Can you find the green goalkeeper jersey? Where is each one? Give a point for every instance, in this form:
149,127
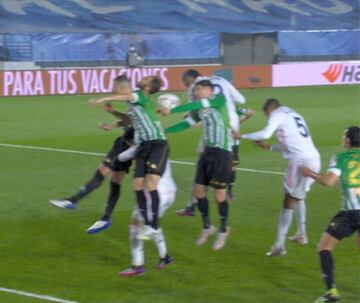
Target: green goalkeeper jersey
144,119
346,166
215,119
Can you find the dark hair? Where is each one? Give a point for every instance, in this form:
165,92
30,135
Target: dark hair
128,134
121,79
353,133
155,85
271,102
205,83
190,73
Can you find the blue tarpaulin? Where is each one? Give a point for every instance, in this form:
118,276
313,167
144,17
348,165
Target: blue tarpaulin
103,46
233,16
319,43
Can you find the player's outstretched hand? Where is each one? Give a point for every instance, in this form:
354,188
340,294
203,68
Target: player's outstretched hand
104,126
263,144
236,135
108,108
163,111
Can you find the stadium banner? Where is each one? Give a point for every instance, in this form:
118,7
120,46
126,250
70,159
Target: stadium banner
316,73
94,81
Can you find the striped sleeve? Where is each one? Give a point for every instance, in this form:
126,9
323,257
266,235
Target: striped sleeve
334,166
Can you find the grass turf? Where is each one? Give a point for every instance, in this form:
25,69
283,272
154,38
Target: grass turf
46,250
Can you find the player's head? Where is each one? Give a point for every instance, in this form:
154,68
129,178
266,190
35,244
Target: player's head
189,77
150,85
351,137
203,89
128,134
270,105
121,84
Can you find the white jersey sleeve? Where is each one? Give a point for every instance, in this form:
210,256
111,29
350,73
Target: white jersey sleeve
273,124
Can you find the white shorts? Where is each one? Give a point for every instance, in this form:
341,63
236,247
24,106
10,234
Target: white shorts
166,200
294,183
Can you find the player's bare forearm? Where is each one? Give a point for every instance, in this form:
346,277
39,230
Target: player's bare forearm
263,144
249,114
114,98
327,180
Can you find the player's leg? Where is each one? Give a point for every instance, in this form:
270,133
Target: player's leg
223,208
325,247
189,210
221,171
200,192
342,225
303,187
114,194
235,163
155,168
285,219
137,251
92,184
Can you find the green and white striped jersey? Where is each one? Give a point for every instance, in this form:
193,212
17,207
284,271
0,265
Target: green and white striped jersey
215,120
346,166
144,119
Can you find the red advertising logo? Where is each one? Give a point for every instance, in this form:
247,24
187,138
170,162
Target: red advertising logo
333,72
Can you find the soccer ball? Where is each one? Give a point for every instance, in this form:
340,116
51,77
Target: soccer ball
168,101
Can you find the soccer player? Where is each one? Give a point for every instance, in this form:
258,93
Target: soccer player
233,99
153,149
214,165
167,193
296,145
346,167
110,165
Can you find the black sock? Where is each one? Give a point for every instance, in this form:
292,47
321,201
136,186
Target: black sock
155,201
203,206
94,183
223,212
141,202
112,199
327,268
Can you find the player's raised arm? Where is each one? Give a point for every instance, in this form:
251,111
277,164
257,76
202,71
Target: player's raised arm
115,98
188,122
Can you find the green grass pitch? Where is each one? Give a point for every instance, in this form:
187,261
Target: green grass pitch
46,250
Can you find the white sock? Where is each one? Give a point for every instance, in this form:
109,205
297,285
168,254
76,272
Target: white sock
285,219
137,246
301,217
160,243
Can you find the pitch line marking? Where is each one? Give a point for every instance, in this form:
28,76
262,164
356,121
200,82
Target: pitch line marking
70,151
37,296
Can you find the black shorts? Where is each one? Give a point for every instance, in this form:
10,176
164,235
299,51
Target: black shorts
235,155
344,224
151,158
111,160
214,168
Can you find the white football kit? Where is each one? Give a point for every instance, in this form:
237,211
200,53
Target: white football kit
295,144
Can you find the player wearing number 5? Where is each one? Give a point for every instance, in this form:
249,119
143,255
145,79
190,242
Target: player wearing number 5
296,145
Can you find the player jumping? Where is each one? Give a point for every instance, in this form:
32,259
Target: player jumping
214,165
296,145
346,167
153,148
233,99
167,193
110,165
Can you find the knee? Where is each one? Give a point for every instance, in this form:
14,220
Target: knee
138,184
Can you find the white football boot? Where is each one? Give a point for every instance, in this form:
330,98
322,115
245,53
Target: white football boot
205,234
221,239
63,204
